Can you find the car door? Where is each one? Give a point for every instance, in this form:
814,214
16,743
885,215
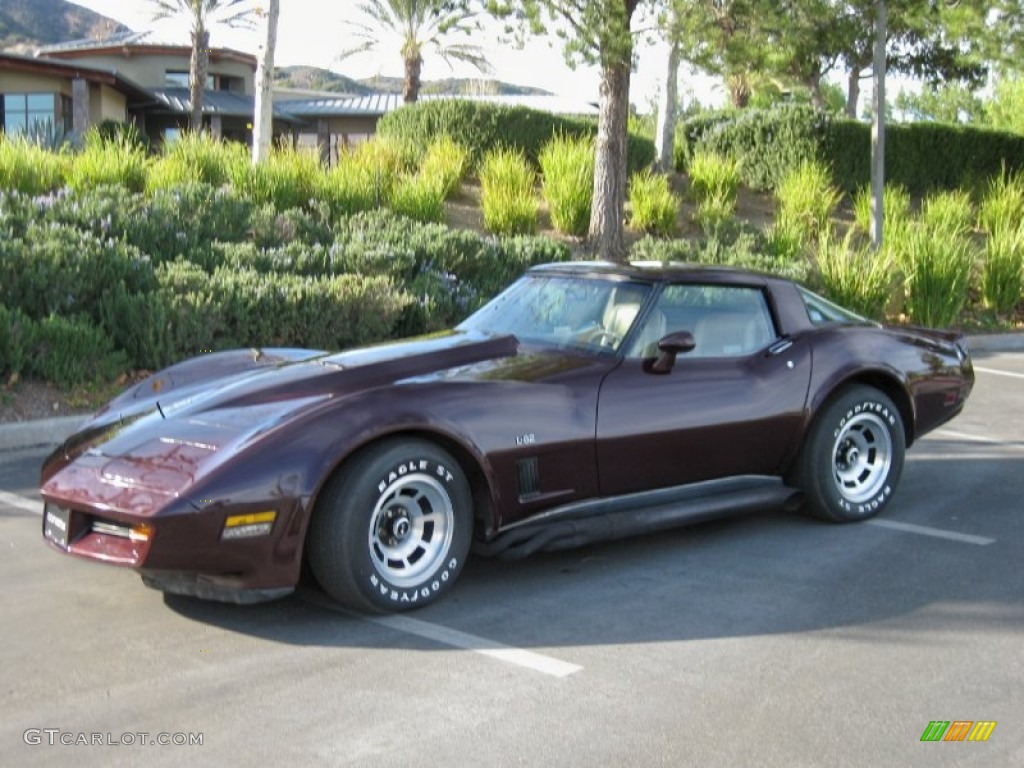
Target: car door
731,406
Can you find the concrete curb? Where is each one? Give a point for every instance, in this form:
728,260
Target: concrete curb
996,342
28,434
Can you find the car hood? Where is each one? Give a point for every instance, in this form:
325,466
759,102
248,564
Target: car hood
161,435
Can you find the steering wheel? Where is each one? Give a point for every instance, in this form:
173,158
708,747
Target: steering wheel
600,336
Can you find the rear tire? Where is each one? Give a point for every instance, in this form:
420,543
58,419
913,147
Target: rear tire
851,462
391,531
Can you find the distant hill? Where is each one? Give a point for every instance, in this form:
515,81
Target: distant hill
28,24
314,78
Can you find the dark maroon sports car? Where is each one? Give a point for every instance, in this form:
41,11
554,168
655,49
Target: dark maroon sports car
586,402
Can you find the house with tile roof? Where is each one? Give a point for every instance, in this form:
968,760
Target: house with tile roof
132,76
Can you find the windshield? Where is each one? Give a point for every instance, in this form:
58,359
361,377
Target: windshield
589,313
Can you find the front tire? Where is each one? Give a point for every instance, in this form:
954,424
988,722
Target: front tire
392,529
851,463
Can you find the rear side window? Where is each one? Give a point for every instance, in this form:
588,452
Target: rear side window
821,311
725,320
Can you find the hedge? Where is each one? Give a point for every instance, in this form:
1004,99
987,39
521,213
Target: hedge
480,126
919,156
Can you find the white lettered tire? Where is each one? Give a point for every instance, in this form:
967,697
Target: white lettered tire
852,459
392,529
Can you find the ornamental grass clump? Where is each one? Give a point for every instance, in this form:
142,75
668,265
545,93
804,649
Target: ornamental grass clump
653,204
506,193
197,157
1002,269
567,167
29,168
714,175
938,275
807,199
1002,204
108,162
287,178
947,214
419,196
444,165
855,276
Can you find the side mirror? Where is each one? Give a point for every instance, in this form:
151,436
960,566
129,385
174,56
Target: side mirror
669,346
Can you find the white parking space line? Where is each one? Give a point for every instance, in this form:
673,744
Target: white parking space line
20,502
938,533
453,637
964,436
538,662
994,372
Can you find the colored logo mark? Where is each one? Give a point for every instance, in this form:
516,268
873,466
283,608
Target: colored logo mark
958,730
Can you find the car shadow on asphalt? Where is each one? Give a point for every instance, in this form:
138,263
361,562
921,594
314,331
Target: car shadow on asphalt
758,575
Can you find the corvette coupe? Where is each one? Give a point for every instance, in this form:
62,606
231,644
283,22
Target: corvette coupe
586,402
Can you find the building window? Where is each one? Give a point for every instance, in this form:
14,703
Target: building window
37,113
174,78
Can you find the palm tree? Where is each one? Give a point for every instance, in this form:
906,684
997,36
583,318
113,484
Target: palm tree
202,14
420,24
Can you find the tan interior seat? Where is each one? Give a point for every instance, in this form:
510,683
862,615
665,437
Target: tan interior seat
729,334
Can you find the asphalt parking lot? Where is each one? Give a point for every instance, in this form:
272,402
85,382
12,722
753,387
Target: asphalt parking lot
773,640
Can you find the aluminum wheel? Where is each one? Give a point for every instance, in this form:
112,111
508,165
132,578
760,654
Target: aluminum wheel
862,454
411,529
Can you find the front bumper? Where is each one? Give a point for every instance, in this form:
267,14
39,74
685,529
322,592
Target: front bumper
195,552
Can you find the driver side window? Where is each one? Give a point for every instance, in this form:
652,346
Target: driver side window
725,320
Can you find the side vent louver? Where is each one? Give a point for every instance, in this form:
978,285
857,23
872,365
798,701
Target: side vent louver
529,478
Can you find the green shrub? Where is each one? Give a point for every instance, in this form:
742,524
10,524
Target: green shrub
807,201
287,178
71,350
855,277
567,165
1002,204
766,143
198,158
268,228
947,214
28,168
1002,273
506,193
445,163
16,337
64,271
653,204
18,211
481,127
103,162
420,197
938,276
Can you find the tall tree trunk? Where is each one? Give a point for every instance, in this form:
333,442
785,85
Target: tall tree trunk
198,67
411,86
817,97
263,122
665,133
606,229
878,126
852,92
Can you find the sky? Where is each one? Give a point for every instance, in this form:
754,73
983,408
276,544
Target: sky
314,32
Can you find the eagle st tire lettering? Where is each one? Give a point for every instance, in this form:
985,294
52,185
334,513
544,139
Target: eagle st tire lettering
392,530
852,459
